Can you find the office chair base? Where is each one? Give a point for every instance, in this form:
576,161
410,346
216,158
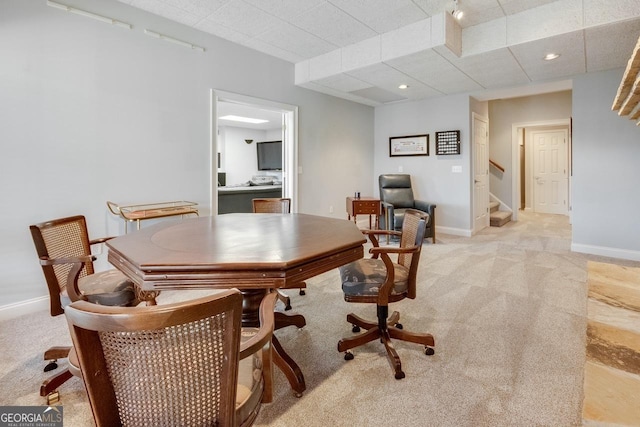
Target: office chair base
50,386
53,354
51,365
392,329
53,397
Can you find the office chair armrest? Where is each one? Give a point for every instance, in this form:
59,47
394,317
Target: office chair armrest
267,322
72,279
374,240
70,260
392,250
100,240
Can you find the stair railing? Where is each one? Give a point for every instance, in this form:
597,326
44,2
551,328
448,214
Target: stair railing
496,165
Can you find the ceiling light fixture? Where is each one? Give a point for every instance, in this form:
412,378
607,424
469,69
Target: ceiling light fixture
89,14
457,13
551,56
172,40
403,86
233,118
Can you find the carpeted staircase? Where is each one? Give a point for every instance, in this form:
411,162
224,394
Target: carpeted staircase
497,217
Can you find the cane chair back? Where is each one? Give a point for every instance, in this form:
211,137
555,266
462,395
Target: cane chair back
272,205
165,365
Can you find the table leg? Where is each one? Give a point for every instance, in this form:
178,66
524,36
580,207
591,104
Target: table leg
250,317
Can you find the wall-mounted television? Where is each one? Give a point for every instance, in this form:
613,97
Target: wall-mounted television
269,155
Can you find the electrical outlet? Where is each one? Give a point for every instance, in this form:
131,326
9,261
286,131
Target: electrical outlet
330,209
400,169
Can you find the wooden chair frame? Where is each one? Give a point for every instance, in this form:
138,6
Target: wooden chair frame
89,322
387,327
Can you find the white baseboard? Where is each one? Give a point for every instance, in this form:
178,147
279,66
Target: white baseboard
453,231
604,251
11,311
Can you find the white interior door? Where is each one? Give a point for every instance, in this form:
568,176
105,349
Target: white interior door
550,177
481,173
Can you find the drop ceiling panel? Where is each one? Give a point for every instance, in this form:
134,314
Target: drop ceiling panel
285,10
598,12
334,25
343,82
269,49
385,77
548,20
387,42
433,7
244,18
295,40
433,70
382,15
200,8
571,61
479,11
168,11
493,69
378,95
379,75
221,31
611,46
512,7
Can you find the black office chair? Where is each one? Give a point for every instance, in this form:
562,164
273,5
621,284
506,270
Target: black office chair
396,195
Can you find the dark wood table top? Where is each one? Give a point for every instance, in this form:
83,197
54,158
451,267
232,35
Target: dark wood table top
236,250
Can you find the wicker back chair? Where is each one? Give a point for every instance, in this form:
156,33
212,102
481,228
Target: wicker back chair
277,205
272,205
64,249
378,280
170,365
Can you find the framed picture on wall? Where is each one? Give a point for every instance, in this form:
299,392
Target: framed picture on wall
412,145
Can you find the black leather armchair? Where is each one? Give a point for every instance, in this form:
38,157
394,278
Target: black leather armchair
396,195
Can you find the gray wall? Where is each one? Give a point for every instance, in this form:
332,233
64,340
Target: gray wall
432,177
606,150
503,113
90,112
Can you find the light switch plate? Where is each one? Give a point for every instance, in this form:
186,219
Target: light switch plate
456,169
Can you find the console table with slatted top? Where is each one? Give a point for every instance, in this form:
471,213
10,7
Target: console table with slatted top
137,213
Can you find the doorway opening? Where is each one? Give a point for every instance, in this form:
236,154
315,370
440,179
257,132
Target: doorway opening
286,131
541,175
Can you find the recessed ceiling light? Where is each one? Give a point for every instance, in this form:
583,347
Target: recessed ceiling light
551,56
233,118
403,86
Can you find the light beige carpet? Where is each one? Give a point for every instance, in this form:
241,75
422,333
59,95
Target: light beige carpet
507,308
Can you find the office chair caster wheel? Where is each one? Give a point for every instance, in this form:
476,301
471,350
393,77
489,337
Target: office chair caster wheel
355,329
52,397
287,307
348,355
399,326
429,351
51,366
399,375
302,292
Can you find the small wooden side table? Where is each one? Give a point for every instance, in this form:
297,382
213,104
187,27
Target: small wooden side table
363,206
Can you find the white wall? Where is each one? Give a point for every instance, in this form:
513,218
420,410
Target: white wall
432,177
90,112
606,151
